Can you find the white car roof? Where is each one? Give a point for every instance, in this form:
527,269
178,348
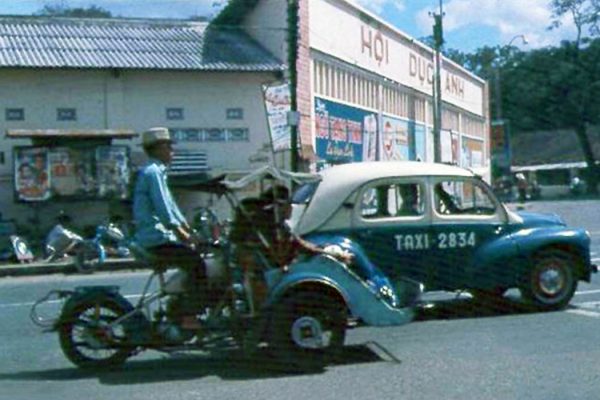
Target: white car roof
340,181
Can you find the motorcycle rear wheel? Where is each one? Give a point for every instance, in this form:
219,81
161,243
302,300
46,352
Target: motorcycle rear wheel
88,340
87,257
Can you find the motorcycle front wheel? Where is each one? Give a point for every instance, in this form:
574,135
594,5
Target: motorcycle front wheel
88,256
88,337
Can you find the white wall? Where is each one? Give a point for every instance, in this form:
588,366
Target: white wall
267,24
135,100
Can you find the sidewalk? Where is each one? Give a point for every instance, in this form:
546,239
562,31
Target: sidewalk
65,267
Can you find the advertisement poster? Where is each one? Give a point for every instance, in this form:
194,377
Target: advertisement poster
32,180
450,147
472,153
394,140
112,171
277,104
430,155
344,133
64,172
420,143
72,172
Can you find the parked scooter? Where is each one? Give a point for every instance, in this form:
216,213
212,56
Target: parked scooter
61,241
109,240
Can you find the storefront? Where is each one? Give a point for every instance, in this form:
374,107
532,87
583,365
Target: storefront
365,88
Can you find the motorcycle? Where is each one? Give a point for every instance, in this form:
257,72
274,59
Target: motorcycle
109,240
304,316
61,242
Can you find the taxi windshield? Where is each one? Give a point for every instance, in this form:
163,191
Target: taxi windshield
304,193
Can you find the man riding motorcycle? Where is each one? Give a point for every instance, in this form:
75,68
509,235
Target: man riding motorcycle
162,229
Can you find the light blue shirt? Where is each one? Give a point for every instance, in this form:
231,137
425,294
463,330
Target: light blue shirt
155,212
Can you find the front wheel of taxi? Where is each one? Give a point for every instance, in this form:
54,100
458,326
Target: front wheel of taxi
308,329
551,282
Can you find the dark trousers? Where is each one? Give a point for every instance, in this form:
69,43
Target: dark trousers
180,256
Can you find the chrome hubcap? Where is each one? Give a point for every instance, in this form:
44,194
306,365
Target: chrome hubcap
551,281
307,332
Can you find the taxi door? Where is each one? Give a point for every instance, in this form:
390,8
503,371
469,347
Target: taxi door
467,224
391,223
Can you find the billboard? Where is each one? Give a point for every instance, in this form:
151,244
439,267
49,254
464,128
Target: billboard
395,144
344,133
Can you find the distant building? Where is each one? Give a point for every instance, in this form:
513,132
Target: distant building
68,84
553,158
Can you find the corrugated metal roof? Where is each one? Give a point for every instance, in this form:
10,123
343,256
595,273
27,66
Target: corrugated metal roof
43,42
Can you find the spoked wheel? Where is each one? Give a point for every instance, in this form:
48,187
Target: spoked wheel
87,257
551,283
89,339
308,328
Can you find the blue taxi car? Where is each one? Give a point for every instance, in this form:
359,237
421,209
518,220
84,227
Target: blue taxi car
442,226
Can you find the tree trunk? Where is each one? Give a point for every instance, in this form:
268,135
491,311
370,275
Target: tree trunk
584,142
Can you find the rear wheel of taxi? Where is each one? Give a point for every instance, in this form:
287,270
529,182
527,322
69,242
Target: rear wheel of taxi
551,282
308,329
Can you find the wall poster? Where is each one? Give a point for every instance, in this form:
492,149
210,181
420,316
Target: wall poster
394,140
32,180
420,151
69,172
472,153
344,133
450,147
278,103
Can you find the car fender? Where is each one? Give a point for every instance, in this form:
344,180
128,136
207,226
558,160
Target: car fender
362,301
517,249
576,241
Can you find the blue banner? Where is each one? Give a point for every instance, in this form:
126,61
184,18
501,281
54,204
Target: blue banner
344,133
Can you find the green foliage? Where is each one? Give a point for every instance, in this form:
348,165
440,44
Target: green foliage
61,10
234,12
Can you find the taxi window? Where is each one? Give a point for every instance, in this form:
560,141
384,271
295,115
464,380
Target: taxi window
392,200
304,193
462,197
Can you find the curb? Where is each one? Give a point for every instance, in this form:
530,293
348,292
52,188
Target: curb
66,267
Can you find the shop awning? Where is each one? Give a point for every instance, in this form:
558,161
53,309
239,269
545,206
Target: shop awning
548,167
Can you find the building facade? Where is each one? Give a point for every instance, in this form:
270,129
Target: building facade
74,79
364,92
365,88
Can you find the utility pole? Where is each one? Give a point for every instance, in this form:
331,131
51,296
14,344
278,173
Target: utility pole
292,20
438,38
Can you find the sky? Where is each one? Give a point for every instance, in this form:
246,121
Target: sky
468,24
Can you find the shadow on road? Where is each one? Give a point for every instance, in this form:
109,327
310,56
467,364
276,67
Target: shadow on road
461,308
186,366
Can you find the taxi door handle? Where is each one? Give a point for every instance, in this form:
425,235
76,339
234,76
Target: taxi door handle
498,229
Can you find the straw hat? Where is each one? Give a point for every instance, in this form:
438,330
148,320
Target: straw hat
155,135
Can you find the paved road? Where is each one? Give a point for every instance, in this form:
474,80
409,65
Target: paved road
455,350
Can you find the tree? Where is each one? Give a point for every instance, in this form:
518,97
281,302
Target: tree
62,10
578,95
